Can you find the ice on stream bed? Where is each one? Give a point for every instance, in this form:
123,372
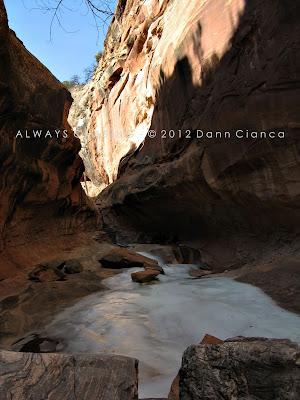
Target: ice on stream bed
155,323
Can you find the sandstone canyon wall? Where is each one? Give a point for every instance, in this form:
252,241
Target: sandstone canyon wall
40,190
209,65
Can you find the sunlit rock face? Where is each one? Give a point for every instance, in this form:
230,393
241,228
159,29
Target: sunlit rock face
39,177
209,65
113,113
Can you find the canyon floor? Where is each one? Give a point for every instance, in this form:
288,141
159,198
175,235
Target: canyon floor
22,295
220,218
95,309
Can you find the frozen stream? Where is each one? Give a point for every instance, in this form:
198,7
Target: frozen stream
155,323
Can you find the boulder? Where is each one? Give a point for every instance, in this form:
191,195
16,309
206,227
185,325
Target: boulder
45,274
67,377
157,267
145,276
168,253
174,391
73,267
50,275
240,369
123,258
34,274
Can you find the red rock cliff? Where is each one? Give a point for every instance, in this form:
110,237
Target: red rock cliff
209,65
39,178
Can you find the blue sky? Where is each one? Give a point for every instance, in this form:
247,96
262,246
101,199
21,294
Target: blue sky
66,54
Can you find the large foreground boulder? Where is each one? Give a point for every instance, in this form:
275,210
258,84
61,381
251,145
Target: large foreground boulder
174,391
29,376
241,369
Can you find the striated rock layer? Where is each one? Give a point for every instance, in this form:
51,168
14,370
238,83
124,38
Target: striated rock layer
41,196
67,377
205,65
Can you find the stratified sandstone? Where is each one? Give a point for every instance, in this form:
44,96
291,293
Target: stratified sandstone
25,376
241,368
215,67
196,65
44,215
42,203
41,196
210,65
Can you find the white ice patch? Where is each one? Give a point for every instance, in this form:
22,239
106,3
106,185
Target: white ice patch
155,323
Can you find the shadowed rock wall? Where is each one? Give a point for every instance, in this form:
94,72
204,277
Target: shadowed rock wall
39,178
212,66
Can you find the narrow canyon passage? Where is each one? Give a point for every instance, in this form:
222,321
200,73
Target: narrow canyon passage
155,323
129,238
